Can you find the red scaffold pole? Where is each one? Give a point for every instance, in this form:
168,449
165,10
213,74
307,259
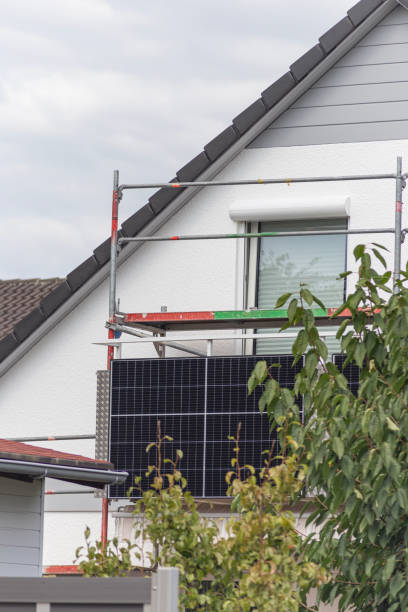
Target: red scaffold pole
112,309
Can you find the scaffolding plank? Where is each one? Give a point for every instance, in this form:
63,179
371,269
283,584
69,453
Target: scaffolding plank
221,319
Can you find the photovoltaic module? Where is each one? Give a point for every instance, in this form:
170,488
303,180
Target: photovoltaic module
199,403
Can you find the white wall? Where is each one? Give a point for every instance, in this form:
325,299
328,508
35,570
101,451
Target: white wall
51,391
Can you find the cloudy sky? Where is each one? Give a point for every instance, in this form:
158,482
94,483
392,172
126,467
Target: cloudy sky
87,86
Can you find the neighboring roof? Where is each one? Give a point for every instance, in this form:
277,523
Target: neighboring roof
9,449
23,460
19,296
226,141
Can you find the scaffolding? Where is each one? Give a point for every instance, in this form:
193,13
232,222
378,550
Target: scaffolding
152,327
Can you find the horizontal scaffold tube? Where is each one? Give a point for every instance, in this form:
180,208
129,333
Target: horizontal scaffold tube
259,181
53,438
387,230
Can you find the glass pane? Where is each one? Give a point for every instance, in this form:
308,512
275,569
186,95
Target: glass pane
285,262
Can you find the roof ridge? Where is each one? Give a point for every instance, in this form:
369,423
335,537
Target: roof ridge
213,150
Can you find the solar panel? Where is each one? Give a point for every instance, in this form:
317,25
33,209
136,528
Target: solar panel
199,403
351,372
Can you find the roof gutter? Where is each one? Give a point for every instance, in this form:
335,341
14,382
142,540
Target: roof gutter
48,470
216,167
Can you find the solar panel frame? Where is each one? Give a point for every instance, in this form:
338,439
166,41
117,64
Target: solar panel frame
199,402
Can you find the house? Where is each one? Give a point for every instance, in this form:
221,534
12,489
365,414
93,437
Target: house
341,109
23,469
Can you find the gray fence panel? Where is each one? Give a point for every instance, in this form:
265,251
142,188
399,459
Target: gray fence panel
97,608
17,607
75,590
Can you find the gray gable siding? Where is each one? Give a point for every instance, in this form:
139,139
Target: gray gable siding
21,519
364,97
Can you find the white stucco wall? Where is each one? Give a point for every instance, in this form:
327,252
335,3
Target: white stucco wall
51,391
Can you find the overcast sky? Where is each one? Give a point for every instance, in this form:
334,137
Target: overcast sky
87,86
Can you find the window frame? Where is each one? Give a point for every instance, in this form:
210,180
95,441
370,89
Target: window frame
252,259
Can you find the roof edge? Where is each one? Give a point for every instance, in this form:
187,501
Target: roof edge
49,470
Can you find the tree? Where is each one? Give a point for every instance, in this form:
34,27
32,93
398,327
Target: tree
355,447
259,566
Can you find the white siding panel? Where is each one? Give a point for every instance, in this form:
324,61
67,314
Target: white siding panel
354,94
18,570
22,555
19,503
363,98
20,527
341,114
26,520
398,15
11,486
328,134
20,537
381,54
358,75
386,35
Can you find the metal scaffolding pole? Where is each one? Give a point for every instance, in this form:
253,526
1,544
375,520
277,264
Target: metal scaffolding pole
53,438
155,340
400,185
260,181
375,230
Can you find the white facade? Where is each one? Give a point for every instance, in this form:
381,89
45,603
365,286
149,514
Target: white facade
52,389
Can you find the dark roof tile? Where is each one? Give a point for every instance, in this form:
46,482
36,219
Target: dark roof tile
7,345
193,168
163,197
54,299
278,89
82,273
218,145
138,220
336,34
307,62
249,116
102,251
362,10
26,326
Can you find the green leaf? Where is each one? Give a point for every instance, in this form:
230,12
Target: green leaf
261,371
402,497
380,257
388,568
391,425
397,583
282,300
338,447
359,354
292,310
307,296
300,344
359,251
318,302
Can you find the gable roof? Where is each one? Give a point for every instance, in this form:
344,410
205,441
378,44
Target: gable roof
273,101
